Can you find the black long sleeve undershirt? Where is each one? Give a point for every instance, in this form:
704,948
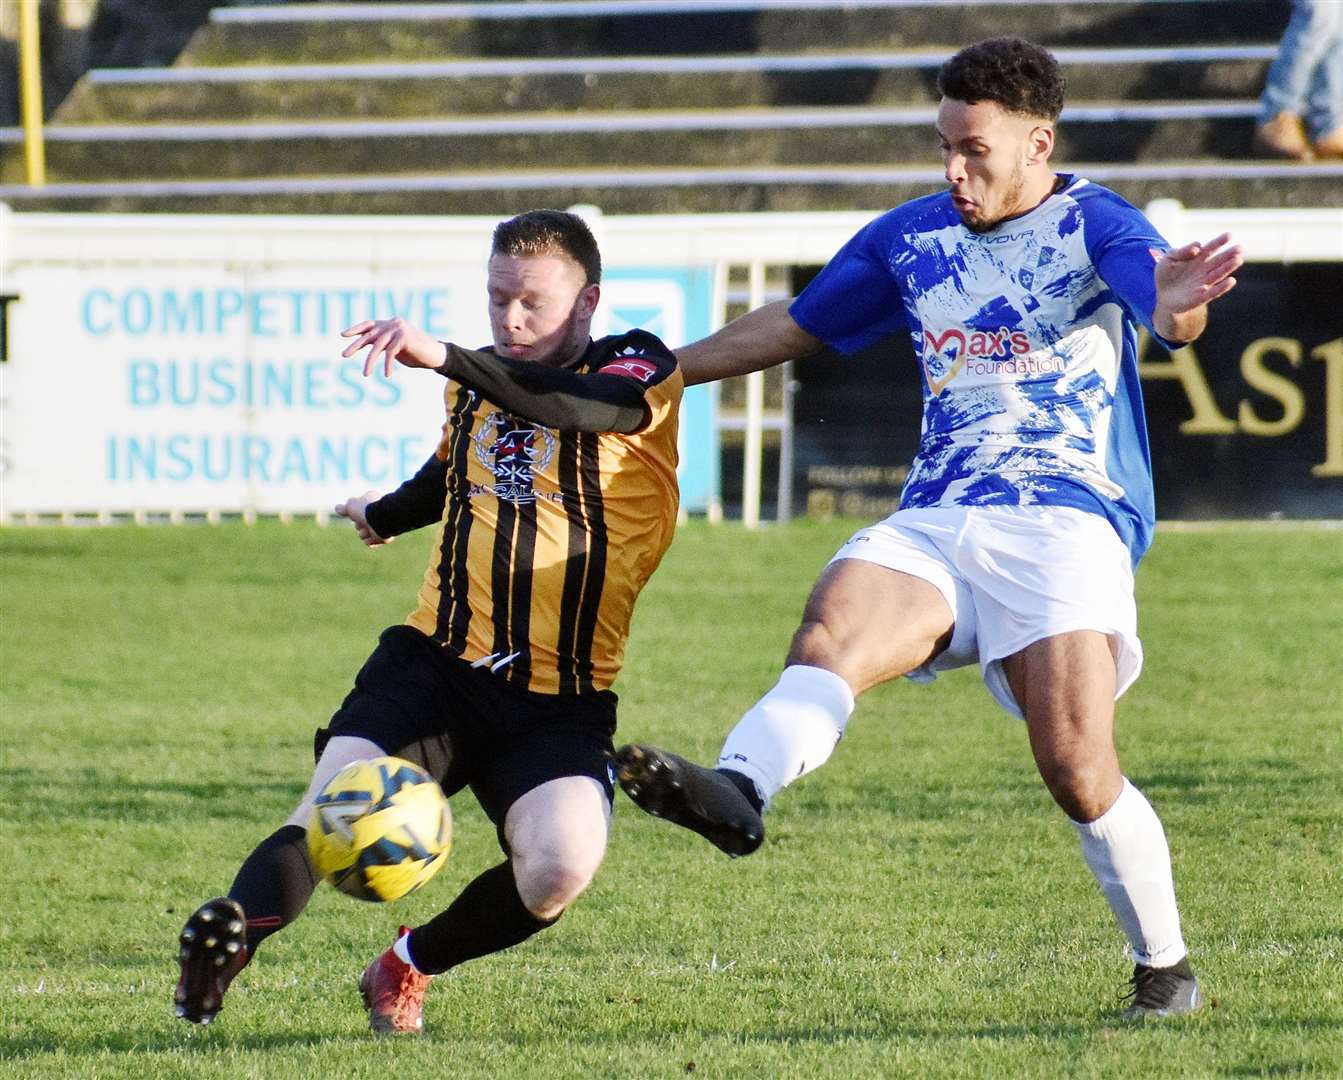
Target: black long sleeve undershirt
554,397
550,396
416,503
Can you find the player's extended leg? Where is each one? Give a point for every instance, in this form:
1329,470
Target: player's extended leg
271,889
1065,685
863,624
557,836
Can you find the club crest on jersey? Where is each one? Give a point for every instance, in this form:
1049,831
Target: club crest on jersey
513,450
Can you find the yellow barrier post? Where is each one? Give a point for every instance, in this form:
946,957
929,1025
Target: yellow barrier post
30,82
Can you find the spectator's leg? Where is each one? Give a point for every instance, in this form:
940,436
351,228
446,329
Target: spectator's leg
1324,105
1281,131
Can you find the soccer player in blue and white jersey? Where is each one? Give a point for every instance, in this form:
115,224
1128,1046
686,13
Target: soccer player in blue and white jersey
1028,505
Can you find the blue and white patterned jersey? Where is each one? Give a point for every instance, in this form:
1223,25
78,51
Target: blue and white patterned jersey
1027,340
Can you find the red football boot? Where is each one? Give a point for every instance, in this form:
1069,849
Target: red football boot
394,994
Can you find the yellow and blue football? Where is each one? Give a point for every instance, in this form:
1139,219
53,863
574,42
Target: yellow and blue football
380,829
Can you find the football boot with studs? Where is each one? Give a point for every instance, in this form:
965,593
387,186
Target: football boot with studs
706,801
212,949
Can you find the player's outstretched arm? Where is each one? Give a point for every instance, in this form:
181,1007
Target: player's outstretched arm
557,397
354,509
1188,279
759,339
393,340
416,503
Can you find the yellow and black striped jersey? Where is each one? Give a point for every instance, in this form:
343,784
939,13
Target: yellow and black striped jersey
547,534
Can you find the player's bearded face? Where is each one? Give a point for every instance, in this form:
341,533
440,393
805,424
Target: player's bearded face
540,307
993,162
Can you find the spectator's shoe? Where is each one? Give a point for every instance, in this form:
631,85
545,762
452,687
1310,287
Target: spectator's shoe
213,949
1330,146
1167,991
706,801
1282,137
393,993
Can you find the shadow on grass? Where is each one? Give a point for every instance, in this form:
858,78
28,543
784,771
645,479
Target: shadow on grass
1281,1068
42,547
91,795
186,1041
1218,781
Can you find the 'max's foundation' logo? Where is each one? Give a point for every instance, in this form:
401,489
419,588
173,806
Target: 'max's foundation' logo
988,352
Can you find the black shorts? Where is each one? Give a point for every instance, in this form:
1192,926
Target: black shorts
466,726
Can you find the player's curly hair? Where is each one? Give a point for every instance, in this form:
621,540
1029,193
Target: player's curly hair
1020,76
550,232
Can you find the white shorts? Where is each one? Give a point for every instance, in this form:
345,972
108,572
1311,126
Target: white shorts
1012,575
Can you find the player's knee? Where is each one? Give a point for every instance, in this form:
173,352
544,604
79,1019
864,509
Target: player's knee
816,644
337,751
1083,790
550,881
857,656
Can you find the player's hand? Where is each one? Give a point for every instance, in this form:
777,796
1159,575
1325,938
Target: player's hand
393,340
1197,274
353,508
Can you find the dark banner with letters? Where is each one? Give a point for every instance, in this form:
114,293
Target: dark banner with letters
1245,423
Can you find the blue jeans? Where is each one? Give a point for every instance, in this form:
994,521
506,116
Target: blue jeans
1307,77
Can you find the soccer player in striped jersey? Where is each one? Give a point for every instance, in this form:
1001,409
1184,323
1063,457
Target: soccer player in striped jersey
554,494
1029,502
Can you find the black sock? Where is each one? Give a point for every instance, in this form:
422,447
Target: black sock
746,786
488,916
275,884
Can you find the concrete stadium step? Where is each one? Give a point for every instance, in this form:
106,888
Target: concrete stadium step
647,191
744,138
343,33
648,106
463,87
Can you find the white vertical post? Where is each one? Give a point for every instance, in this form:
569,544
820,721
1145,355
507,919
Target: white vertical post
718,316
785,513
1168,217
755,414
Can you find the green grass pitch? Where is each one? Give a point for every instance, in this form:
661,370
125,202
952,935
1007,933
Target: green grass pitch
920,909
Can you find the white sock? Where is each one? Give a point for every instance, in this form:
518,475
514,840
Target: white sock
1126,850
789,731
402,950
